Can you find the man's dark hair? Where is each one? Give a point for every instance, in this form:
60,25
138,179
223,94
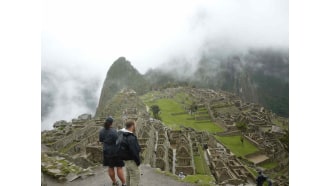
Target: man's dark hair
108,122
129,124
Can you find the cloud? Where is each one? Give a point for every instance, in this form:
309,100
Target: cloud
149,32
66,93
88,36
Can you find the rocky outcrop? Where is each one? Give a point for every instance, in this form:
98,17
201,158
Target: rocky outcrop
62,169
61,123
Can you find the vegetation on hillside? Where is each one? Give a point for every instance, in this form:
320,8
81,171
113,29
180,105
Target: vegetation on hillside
200,163
200,179
155,111
260,76
173,114
235,145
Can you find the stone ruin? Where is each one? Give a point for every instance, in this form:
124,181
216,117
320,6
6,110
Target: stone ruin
225,166
182,152
173,150
227,109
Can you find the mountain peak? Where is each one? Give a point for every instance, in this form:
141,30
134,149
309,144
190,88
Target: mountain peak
120,75
121,61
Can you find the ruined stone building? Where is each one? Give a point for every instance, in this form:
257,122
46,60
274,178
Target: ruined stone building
174,150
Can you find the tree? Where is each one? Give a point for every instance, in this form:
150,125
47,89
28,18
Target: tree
193,108
155,111
242,139
241,126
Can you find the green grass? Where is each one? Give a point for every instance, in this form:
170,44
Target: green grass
279,123
269,165
183,97
169,106
66,148
150,96
228,109
166,173
200,163
253,171
176,105
203,174
202,180
201,166
235,145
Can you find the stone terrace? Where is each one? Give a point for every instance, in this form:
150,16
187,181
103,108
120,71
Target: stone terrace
170,150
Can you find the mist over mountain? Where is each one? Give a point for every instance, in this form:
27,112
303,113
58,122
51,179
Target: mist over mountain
256,75
66,94
218,44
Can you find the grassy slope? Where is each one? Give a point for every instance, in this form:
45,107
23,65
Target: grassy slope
200,163
169,106
175,105
203,174
172,106
269,165
200,179
235,145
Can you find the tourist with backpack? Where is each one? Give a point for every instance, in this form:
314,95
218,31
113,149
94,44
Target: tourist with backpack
108,136
260,179
129,151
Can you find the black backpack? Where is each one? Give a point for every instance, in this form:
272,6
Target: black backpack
121,146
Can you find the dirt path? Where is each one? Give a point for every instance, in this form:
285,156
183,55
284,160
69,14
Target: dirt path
149,177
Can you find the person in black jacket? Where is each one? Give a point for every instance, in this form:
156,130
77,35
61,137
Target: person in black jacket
130,153
260,179
108,137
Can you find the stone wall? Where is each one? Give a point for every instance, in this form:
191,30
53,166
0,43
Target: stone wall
79,160
224,166
184,155
189,170
80,147
95,153
162,153
230,133
76,136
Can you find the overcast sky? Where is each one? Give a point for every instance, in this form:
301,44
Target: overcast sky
93,34
83,38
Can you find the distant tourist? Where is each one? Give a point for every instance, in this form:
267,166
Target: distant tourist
262,178
205,146
130,152
181,175
108,137
270,183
